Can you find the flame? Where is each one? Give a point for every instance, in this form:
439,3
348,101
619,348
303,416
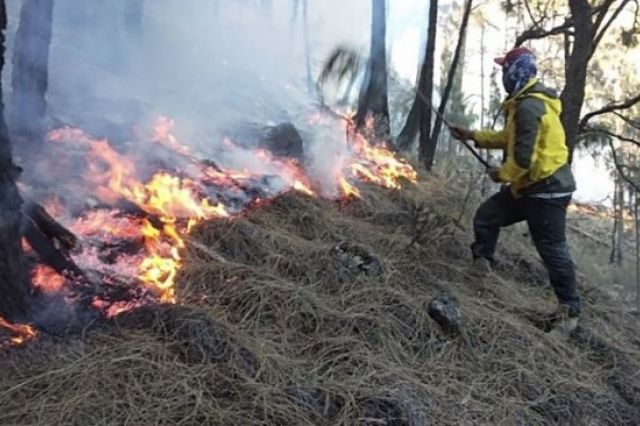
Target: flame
303,188
165,196
172,202
348,190
21,333
379,165
106,223
47,280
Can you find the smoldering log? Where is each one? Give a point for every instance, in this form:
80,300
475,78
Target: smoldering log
49,226
46,249
51,241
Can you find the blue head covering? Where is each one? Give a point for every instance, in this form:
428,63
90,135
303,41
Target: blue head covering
516,75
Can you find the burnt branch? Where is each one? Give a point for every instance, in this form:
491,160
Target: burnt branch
49,226
610,108
47,250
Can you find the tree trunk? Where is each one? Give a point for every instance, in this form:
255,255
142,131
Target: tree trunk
13,289
419,118
30,71
373,95
433,140
637,228
618,224
574,90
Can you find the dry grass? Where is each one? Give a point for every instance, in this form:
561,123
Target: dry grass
275,330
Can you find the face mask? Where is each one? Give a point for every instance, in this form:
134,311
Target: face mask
518,73
506,81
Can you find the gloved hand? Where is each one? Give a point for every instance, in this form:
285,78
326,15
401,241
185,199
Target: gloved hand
462,134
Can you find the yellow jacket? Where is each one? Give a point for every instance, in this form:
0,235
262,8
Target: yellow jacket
534,141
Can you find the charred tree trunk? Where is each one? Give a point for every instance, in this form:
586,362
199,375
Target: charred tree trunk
419,119
373,95
574,90
30,70
433,142
13,289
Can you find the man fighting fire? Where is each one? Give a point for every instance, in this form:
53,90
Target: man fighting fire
536,177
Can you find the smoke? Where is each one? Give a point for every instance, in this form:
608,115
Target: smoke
212,68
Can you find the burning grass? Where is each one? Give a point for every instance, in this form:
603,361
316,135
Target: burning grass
273,328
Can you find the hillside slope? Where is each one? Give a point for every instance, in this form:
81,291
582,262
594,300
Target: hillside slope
278,327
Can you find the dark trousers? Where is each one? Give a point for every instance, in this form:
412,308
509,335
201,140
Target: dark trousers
546,219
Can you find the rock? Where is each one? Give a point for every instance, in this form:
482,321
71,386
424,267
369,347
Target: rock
445,311
283,140
357,259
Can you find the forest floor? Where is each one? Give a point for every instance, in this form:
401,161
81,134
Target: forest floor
277,325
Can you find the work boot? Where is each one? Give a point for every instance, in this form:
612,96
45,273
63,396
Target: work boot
566,321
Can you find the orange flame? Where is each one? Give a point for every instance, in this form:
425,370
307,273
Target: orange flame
21,333
47,280
177,202
379,165
165,196
349,190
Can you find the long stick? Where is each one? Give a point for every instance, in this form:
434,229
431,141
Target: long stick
446,122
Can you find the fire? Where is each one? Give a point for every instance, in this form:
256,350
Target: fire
169,198
21,333
379,165
105,223
154,210
303,188
47,280
348,189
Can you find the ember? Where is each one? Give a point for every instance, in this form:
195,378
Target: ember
20,333
47,280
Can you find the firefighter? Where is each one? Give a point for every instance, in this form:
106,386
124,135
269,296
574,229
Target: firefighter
537,182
